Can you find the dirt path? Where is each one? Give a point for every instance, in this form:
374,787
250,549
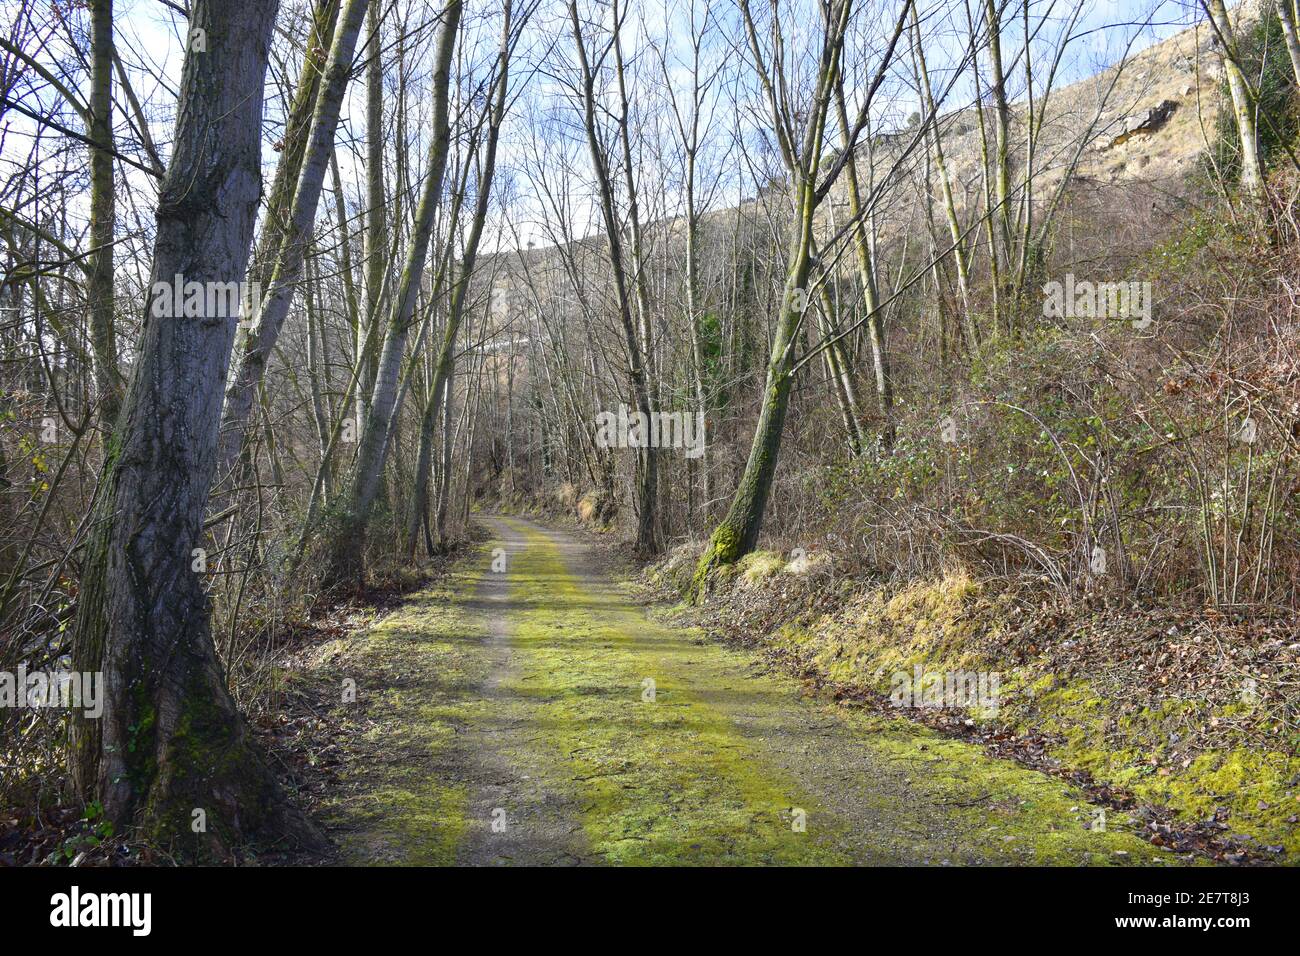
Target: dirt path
536,714
515,816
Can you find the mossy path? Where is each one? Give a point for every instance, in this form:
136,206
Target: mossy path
529,711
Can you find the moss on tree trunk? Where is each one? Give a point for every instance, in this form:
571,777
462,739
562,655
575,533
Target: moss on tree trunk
170,741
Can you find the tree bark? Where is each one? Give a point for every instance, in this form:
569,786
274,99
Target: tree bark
738,532
840,375
297,132
345,562
1286,12
1002,128
865,253
376,238
442,369
444,474
171,740
969,329
253,347
1252,177
647,538
99,277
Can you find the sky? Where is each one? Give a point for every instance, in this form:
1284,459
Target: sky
150,39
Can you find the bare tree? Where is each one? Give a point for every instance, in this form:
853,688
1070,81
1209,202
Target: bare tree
636,329
801,146
171,739
99,279
253,347
346,557
1243,107
439,389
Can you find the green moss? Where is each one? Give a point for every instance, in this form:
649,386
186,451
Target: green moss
949,624
698,772
1036,818
1139,750
206,762
140,737
675,571
758,566
723,551
675,780
935,625
415,672
726,543
397,825
663,781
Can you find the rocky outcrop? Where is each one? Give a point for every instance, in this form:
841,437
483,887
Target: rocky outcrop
1144,125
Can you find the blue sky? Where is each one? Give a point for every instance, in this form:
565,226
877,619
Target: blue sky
150,38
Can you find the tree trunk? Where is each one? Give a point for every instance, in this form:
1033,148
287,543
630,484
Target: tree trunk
317,367
376,244
1286,12
345,562
1252,177
1002,129
840,376
929,114
253,348
442,369
423,471
99,277
864,253
171,741
449,438
737,535
297,131
738,532
350,300
647,539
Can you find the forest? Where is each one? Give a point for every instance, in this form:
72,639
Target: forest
649,432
